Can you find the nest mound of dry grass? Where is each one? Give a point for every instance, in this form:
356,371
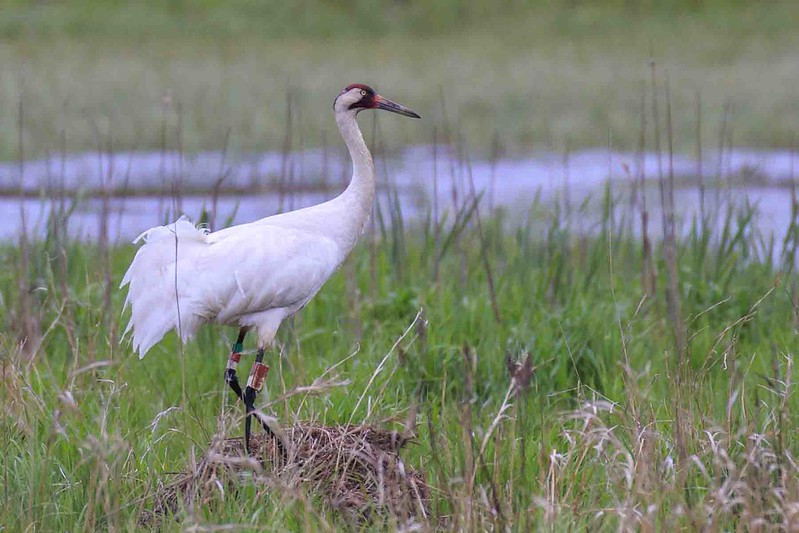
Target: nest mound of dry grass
354,469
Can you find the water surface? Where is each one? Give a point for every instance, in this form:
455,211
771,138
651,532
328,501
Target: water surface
132,191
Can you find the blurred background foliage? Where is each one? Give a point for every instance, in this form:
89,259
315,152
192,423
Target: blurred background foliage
555,74
339,18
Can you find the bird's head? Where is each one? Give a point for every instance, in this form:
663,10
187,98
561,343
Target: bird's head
357,97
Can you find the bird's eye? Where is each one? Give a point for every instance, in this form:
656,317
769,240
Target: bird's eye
363,93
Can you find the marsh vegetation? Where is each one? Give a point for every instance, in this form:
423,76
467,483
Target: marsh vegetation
573,364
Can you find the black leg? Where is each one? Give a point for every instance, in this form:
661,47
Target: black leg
254,385
233,361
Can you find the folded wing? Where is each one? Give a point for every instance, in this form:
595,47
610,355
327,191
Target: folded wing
183,277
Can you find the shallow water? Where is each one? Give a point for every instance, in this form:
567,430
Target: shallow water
140,186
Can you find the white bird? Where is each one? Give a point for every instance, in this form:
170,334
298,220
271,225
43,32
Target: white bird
252,275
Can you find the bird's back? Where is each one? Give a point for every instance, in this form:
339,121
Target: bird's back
183,277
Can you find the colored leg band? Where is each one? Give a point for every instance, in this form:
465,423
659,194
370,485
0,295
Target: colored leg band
257,375
233,360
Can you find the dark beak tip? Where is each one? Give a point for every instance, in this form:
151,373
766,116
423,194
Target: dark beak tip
388,105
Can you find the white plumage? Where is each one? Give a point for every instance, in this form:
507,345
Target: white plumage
257,274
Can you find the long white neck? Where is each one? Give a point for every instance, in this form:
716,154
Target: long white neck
360,193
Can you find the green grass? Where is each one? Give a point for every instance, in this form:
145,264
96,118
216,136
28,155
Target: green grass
552,76
620,429
310,18
614,431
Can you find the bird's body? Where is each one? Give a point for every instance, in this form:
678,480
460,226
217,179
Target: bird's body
252,275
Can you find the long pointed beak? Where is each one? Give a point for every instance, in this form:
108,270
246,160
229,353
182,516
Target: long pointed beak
388,105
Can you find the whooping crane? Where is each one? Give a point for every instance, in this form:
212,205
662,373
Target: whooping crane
252,275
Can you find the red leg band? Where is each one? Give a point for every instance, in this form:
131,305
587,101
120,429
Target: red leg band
258,375
233,360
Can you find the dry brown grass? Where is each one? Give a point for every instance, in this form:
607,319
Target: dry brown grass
744,478
353,469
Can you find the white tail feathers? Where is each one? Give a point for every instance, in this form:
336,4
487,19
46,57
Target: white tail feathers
160,292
